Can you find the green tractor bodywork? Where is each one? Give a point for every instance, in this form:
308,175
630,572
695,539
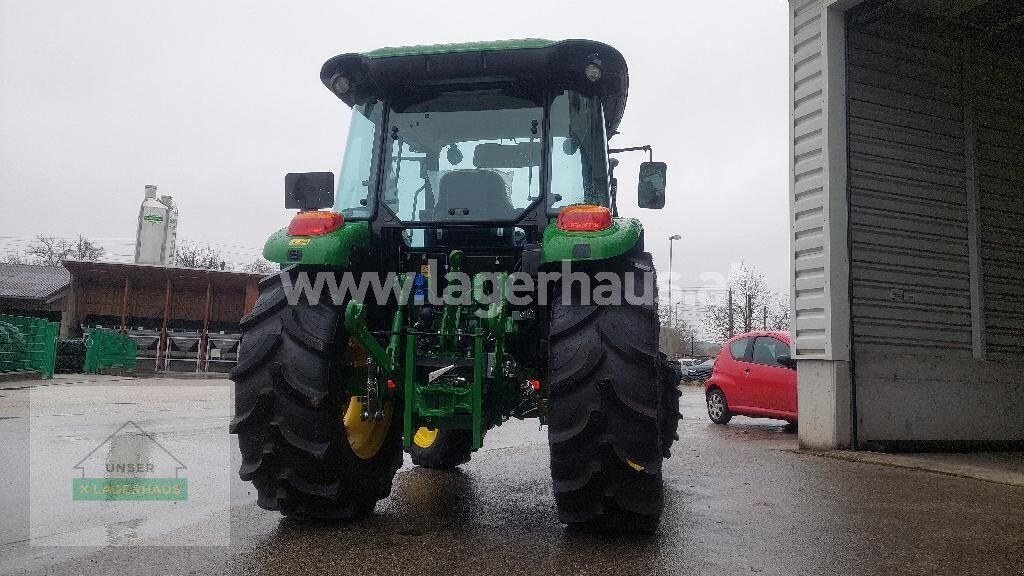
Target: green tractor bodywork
562,245
461,159
336,248
332,249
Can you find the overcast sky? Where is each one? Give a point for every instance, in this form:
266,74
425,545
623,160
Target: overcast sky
215,101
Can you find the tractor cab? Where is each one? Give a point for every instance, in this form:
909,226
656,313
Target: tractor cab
475,147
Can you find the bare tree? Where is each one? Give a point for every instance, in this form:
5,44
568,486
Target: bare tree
676,336
259,266
84,249
193,255
779,313
14,258
717,324
53,251
48,250
753,307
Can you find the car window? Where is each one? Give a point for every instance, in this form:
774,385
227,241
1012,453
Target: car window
740,349
768,349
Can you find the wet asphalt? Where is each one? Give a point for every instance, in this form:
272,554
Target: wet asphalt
740,500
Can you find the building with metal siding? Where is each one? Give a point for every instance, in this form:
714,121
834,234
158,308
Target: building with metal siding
30,290
907,219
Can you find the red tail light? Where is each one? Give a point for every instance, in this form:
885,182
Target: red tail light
314,222
584,218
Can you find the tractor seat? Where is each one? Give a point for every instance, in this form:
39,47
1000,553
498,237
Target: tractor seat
482,192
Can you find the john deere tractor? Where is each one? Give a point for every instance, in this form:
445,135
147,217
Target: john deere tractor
468,267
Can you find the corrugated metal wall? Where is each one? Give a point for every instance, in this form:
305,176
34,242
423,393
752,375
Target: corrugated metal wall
894,114
999,110
808,184
910,268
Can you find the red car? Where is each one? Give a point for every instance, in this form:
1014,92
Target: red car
753,375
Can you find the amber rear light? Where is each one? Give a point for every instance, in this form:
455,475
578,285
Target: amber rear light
314,222
584,218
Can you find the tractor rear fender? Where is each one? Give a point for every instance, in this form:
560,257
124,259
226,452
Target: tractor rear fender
332,249
563,245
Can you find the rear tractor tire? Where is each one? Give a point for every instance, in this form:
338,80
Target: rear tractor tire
614,411
441,449
304,446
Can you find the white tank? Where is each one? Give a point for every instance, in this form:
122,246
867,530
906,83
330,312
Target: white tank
157,230
171,233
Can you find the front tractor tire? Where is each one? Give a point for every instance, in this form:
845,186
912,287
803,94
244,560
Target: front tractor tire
614,411
304,447
441,449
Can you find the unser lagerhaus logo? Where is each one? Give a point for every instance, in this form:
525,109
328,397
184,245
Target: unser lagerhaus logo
130,465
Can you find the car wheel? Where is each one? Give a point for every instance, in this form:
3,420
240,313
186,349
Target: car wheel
718,408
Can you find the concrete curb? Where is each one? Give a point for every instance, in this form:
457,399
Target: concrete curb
955,465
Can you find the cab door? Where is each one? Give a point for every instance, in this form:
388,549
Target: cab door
777,383
737,372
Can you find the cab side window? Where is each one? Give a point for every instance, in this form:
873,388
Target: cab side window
768,349
740,349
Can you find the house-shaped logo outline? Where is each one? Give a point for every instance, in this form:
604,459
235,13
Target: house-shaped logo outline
180,465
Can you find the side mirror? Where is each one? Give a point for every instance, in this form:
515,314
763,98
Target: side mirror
309,190
651,191
786,361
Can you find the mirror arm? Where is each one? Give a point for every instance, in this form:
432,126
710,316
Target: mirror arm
647,148
613,191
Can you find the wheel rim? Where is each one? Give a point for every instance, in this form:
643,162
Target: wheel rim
365,437
716,406
425,437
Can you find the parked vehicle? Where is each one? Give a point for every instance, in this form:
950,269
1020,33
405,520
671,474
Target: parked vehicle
753,375
698,372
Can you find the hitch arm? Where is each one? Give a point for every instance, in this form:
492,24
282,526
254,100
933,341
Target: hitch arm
355,323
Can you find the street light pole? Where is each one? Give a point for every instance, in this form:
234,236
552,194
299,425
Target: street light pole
671,307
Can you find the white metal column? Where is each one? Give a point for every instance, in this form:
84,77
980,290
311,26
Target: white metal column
819,211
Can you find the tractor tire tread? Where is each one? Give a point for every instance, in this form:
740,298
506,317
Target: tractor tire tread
289,420
612,416
451,449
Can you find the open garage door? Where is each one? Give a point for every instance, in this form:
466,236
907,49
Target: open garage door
908,201
936,224
998,79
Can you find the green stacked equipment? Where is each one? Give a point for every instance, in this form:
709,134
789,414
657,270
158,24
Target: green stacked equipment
28,345
109,349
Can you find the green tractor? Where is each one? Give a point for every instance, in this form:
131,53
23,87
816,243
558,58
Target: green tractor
468,267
